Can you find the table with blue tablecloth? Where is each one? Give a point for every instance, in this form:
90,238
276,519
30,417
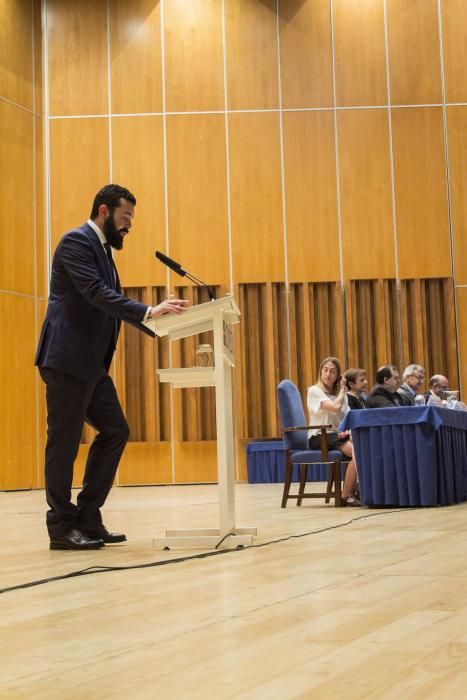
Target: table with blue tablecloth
410,456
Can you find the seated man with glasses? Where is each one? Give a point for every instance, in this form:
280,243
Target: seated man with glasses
439,384
413,378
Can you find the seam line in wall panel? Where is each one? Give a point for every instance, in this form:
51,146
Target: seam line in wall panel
284,210
229,219
114,368
34,214
448,191
227,149
242,111
11,292
338,189
18,106
109,93
167,247
46,144
393,185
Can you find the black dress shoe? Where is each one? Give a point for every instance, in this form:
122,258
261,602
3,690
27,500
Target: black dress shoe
75,539
100,532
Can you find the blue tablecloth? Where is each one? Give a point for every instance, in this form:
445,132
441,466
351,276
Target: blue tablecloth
410,456
266,464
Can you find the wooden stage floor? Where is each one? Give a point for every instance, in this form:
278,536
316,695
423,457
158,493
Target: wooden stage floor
354,604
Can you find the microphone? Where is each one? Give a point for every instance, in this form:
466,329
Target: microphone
176,267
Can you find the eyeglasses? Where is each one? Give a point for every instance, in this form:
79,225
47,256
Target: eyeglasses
420,378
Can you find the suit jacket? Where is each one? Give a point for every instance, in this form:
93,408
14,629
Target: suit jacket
405,396
85,308
380,397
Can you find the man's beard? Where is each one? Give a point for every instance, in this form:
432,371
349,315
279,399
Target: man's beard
112,233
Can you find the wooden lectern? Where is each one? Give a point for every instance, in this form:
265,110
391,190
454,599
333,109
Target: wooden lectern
217,316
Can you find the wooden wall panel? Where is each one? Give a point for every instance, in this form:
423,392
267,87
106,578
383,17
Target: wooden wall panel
77,50
195,463
461,297
428,326
40,433
145,463
316,329
454,22
360,54
18,382
372,325
251,48
197,195
40,242
305,53
262,360
366,194
16,34
457,140
79,167
414,60
420,189
194,57
311,196
37,57
17,198
256,199
138,164
135,56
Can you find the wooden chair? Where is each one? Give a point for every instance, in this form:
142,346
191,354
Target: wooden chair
297,451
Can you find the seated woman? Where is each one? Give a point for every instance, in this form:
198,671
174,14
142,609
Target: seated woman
384,393
327,405
356,383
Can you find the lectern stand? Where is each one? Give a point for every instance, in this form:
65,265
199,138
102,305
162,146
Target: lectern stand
217,316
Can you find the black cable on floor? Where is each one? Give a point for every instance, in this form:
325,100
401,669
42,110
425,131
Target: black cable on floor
104,569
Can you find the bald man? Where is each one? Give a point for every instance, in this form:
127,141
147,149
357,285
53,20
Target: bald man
438,385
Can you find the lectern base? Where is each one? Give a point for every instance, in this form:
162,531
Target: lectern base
209,537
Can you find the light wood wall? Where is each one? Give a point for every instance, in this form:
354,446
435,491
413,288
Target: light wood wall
308,156
22,269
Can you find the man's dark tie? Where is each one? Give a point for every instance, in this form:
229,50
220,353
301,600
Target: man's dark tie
108,250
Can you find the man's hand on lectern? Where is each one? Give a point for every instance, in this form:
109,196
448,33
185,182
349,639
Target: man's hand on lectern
169,306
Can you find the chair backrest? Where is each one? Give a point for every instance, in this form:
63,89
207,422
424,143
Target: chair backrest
292,415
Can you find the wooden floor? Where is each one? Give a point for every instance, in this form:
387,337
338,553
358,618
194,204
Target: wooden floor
366,604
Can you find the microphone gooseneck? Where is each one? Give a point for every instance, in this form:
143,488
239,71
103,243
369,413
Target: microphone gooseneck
176,267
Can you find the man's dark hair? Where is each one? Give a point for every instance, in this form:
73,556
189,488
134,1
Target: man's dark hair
385,372
111,196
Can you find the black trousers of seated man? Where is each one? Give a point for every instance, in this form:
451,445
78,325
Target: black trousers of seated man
70,402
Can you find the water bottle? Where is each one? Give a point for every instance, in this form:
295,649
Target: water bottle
451,401
419,400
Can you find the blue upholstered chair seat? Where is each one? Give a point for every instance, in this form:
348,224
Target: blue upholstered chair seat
314,456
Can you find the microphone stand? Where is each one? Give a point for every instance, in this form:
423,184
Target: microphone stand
176,267
200,284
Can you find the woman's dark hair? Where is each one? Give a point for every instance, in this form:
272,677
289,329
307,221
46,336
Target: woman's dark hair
385,372
111,196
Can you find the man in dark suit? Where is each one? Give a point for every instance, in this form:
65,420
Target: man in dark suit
384,393
413,378
75,350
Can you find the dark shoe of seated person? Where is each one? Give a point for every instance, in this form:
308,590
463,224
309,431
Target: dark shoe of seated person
351,501
100,532
75,539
